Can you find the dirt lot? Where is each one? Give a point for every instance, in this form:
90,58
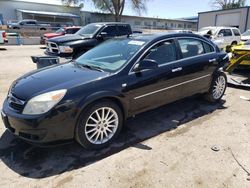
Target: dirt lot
166,147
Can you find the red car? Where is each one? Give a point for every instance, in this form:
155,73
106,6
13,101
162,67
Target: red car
59,32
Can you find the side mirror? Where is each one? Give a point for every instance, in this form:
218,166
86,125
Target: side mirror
103,35
221,35
146,64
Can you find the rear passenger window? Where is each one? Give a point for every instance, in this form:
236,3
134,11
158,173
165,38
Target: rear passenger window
162,53
110,30
191,47
236,32
123,30
207,48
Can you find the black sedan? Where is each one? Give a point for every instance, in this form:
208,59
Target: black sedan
90,98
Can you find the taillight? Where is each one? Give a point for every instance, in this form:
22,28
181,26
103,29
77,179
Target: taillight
4,34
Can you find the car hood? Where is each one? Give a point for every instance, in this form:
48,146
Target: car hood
245,37
68,38
50,35
63,76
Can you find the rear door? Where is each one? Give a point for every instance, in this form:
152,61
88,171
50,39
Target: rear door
198,63
152,88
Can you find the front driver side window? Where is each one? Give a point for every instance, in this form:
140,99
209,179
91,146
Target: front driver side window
110,30
163,52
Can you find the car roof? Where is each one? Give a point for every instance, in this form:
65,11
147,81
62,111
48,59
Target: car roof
159,36
220,27
73,27
109,23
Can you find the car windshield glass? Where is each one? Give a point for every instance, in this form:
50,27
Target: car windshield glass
247,33
111,55
90,29
61,30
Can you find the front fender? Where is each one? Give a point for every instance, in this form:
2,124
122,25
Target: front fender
113,95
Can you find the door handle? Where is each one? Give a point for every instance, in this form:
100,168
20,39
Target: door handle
212,60
177,69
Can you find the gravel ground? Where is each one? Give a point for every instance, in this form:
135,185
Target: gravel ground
166,147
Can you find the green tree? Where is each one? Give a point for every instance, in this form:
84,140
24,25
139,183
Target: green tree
228,4
115,7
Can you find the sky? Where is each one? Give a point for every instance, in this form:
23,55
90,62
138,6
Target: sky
160,8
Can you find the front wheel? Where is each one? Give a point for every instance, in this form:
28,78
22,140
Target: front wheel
217,88
99,125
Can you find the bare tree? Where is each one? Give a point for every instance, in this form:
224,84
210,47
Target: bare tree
115,7
228,4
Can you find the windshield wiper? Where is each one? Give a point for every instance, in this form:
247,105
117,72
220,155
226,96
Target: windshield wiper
91,67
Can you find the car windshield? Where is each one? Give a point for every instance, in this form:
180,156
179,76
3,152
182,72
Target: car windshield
111,55
61,30
90,29
247,33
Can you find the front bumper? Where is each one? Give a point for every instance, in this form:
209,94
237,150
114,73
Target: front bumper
55,126
58,54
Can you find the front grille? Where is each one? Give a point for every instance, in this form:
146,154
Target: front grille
52,47
15,103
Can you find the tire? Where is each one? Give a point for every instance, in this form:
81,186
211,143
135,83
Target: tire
217,88
92,132
43,29
234,43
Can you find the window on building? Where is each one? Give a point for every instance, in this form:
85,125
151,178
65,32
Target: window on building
180,26
137,23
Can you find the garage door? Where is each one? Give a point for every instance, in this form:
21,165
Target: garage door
230,19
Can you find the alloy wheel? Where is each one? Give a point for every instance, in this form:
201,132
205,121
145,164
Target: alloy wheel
101,125
219,87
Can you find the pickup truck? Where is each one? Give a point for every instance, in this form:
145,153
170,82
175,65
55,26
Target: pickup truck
59,32
3,38
85,39
28,24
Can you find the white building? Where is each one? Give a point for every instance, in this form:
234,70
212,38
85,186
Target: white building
232,17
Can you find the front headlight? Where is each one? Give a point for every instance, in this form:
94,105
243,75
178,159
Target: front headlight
65,49
44,102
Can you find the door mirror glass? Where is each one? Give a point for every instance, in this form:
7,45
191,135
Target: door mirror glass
221,35
146,64
103,35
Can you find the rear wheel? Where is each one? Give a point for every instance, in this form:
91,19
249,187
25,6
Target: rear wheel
99,125
217,88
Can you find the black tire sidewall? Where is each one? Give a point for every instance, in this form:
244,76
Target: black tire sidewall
80,127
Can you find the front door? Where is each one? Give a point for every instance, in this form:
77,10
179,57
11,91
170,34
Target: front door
152,88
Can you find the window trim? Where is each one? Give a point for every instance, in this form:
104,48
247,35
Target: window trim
131,71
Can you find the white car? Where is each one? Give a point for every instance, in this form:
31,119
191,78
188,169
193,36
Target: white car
222,36
3,38
245,36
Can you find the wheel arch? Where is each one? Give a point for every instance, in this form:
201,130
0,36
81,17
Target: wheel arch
94,98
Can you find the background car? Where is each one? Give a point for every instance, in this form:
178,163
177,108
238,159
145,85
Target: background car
86,38
29,24
245,36
222,36
3,37
89,98
59,32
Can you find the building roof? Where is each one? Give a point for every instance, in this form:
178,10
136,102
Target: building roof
62,14
223,10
